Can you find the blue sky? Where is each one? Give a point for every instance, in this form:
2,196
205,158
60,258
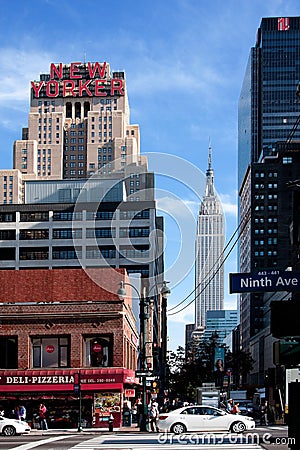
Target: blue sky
184,63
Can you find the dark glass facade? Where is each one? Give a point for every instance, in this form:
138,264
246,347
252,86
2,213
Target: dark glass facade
269,108
268,105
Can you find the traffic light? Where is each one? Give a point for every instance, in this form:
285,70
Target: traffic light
155,354
154,384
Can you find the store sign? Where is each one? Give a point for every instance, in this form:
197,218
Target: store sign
48,379
129,392
28,378
97,348
69,81
50,348
264,281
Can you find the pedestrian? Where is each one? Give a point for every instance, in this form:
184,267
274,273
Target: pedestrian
153,414
140,412
229,405
22,412
235,409
264,414
42,416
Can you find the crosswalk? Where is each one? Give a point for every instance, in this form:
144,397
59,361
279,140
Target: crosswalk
145,442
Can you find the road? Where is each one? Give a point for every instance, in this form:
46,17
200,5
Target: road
267,438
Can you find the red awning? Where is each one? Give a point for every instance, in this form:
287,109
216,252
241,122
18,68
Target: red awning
59,388
63,380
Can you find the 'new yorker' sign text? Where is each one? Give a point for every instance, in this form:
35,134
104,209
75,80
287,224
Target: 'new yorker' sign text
78,80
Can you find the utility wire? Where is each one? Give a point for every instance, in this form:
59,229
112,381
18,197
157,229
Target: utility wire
245,222
216,262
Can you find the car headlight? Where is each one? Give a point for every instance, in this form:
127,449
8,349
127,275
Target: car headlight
249,418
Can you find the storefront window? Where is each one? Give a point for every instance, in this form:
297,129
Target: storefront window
50,352
98,351
8,352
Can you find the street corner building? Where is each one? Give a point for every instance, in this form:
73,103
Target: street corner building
65,339
77,209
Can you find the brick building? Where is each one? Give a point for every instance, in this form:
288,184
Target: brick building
60,328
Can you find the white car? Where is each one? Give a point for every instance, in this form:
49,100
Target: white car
10,427
203,418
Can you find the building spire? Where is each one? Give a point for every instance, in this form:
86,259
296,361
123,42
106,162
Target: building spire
209,191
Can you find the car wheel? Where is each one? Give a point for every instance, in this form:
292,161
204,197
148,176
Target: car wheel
178,428
238,427
9,430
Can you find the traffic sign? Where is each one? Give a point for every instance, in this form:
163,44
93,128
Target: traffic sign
141,373
264,281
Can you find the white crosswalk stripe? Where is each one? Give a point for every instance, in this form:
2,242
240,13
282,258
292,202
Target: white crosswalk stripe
139,442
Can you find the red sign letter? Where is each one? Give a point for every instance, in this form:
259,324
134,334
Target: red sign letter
84,87
93,70
54,70
68,90
73,69
116,85
56,88
99,84
37,88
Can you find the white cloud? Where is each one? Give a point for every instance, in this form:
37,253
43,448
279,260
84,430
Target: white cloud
229,204
17,69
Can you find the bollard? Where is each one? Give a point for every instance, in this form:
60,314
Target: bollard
111,423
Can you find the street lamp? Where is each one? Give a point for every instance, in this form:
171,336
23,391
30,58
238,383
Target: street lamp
144,302
165,292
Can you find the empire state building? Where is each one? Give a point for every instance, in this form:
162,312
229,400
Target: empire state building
209,270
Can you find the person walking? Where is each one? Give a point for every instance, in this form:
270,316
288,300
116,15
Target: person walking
264,420
153,414
22,412
235,409
42,417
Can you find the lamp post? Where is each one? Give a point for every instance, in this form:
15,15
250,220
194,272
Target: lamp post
165,292
143,316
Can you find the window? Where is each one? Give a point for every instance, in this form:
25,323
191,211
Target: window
67,233
34,234
99,215
100,232
98,351
65,253
8,352
34,216
50,352
28,253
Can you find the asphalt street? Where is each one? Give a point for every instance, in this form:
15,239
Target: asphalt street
266,438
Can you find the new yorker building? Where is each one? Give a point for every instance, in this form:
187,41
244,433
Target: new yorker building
79,194
268,160
78,125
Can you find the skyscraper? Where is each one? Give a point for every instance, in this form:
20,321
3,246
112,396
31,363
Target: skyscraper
209,270
78,126
267,159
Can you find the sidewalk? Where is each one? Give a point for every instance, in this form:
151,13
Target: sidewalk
133,429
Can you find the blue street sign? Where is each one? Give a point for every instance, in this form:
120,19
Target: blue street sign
264,281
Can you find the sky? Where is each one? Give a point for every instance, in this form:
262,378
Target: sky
184,61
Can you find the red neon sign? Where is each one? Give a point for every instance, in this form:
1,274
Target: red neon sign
77,80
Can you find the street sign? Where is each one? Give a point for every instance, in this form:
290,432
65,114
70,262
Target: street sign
140,373
264,281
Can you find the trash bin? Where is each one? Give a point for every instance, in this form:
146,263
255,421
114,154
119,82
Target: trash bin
127,419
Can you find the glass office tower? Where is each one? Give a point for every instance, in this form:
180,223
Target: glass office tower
269,109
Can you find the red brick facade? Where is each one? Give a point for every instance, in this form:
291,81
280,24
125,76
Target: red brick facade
47,306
